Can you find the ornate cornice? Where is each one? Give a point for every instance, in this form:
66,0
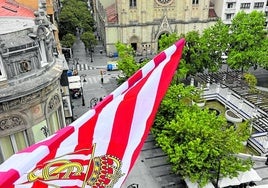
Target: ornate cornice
28,99
11,122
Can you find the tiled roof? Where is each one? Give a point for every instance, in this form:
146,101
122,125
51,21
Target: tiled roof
12,8
111,14
212,13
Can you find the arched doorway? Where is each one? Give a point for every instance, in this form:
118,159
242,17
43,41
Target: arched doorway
134,42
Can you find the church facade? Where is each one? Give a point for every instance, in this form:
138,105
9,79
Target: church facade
141,23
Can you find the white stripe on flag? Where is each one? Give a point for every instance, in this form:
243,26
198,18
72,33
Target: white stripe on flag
105,122
28,158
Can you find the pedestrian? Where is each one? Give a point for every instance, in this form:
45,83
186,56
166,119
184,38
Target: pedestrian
100,99
101,80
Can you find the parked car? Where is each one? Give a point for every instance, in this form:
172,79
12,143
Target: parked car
112,65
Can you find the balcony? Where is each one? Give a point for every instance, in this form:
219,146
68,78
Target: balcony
229,10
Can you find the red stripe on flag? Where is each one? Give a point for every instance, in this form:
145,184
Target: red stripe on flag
123,121
85,133
7,177
134,78
162,88
53,142
103,103
159,58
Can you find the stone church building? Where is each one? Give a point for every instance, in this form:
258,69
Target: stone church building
141,23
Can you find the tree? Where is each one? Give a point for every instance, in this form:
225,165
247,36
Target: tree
170,105
248,41
165,42
193,53
74,15
251,80
68,40
214,42
89,40
196,140
126,61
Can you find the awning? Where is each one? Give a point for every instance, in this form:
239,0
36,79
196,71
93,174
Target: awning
224,182
195,185
249,176
75,85
72,79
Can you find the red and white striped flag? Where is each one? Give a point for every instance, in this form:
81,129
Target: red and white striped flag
100,148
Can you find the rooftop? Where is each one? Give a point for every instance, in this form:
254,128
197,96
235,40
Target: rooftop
12,8
14,17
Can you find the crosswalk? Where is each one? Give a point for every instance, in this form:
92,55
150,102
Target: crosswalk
92,79
81,67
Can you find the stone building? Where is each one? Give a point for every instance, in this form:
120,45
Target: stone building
141,23
31,106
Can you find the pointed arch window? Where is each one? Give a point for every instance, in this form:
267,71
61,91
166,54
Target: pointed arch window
132,3
195,2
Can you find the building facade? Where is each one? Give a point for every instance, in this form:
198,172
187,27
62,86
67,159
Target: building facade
227,9
31,66
141,23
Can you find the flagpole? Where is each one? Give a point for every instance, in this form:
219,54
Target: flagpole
89,163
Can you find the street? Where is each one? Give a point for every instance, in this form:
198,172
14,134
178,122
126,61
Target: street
93,87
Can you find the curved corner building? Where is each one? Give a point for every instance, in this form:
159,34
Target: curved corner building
31,105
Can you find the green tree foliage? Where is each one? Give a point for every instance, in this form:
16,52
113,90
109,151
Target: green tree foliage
126,61
68,40
89,40
75,14
251,80
170,105
196,140
248,41
166,41
213,43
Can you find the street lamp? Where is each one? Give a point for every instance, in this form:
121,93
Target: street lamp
90,48
218,174
83,76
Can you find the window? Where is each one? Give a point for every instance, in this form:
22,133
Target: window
2,71
12,144
195,2
54,124
258,5
245,5
228,16
132,3
230,5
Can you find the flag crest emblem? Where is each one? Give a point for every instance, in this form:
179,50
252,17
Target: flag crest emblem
100,171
